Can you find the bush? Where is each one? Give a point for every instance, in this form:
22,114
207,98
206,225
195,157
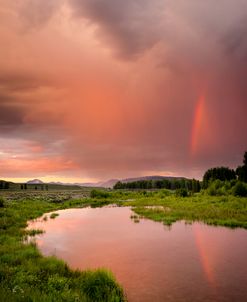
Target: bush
54,215
217,187
212,191
181,192
99,194
240,189
1,202
101,285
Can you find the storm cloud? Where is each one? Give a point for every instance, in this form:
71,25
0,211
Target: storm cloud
112,88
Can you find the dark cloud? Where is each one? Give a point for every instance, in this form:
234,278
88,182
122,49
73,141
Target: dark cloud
24,112
11,116
134,26
127,25
235,41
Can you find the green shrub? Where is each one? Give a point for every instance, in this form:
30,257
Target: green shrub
233,182
54,215
240,189
181,192
99,194
217,187
211,191
100,285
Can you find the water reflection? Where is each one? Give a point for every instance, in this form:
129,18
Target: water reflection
183,263
201,242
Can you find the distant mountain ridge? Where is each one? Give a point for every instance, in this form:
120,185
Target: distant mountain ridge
109,183
35,182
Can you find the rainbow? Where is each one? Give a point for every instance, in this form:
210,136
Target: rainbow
197,124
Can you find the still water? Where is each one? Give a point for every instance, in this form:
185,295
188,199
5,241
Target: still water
153,263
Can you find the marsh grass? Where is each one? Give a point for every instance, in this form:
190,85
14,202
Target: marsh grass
25,275
134,216
166,207
54,215
34,232
229,211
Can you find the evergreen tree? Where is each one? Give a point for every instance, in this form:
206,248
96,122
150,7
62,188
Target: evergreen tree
245,159
242,170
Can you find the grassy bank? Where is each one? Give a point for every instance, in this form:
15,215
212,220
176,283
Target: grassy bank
166,207
25,275
227,211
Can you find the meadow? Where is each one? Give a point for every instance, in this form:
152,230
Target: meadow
25,275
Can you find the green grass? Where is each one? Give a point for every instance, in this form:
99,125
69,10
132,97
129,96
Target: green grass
227,211
25,275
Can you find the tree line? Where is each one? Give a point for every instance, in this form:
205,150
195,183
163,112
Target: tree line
192,185
35,187
4,185
226,174
218,173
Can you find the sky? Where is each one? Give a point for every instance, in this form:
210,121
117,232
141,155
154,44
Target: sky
97,89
